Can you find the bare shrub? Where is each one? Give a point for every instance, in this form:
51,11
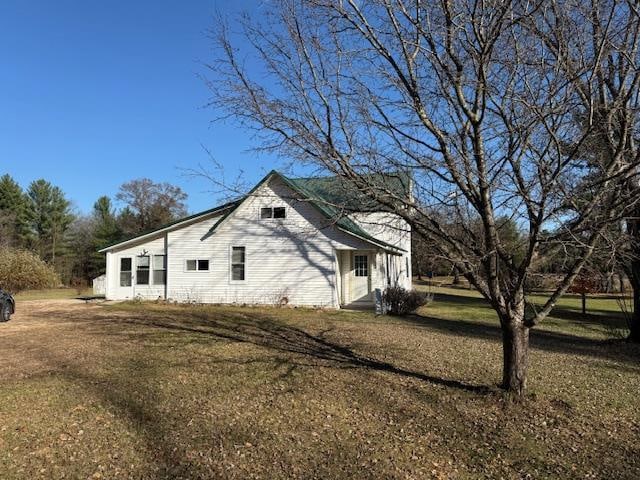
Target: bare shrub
400,301
278,298
23,270
626,307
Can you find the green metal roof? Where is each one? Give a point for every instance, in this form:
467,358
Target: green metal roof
322,194
341,193
331,196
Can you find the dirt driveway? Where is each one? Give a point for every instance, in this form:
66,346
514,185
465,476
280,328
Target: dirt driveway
41,323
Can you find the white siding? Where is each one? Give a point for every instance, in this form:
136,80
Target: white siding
392,229
153,246
290,258
293,257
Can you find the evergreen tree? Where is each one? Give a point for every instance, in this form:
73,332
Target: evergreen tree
50,220
106,231
14,213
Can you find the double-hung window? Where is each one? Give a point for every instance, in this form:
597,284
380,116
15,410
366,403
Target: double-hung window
238,263
159,269
142,270
125,272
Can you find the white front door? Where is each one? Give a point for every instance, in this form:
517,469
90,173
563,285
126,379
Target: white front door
125,277
360,278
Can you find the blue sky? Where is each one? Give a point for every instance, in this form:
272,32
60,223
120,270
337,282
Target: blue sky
93,94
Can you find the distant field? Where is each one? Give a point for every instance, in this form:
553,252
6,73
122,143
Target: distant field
604,317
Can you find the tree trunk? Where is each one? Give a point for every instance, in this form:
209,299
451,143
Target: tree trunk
634,327
633,228
515,347
456,276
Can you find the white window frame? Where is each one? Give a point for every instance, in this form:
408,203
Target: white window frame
149,269
153,268
246,275
197,260
366,266
131,272
271,218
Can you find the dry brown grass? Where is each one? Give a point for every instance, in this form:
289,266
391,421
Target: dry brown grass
156,391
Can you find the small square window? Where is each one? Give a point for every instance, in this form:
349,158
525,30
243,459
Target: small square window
191,265
279,212
266,212
203,265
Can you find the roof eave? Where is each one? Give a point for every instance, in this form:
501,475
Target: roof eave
175,225
386,247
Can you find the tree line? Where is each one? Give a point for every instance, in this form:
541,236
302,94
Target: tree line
41,219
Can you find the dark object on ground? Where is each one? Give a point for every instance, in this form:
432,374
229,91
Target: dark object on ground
399,301
7,306
91,298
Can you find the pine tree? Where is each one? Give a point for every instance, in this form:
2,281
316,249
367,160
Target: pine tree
50,220
106,232
14,214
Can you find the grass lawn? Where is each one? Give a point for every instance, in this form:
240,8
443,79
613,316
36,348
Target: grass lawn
156,391
53,293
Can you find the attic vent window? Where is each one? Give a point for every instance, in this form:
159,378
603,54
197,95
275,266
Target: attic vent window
273,212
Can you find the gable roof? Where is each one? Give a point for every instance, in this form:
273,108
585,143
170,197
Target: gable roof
323,193
322,198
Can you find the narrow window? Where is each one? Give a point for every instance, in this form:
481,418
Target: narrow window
159,269
407,264
237,263
125,272
279,212
142,271
266,212
361,265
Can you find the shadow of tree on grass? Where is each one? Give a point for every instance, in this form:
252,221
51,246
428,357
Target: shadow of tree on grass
261,330
613,349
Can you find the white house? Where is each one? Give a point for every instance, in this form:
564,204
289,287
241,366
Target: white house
283,243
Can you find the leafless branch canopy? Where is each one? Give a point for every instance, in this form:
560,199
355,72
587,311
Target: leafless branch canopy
524,110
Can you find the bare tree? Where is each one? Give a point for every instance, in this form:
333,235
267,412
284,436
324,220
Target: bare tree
599,55
149,205
480,102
